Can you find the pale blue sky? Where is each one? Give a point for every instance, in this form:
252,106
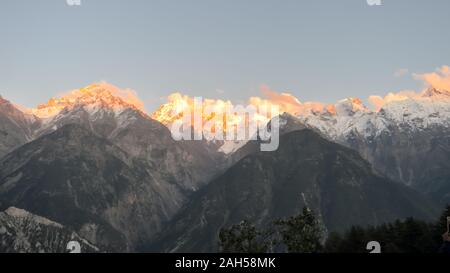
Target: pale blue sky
321,50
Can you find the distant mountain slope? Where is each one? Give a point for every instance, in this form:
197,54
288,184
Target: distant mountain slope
407,140
287,124
89,184
101,109
73,166
16,127
23,232
306,170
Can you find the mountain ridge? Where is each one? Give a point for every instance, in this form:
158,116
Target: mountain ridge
329,178
24,232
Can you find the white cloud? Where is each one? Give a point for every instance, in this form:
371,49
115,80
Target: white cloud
401,72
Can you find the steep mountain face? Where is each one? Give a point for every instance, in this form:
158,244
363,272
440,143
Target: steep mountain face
419,159
287,124
306,170
89,184
16,127
24,232
408,140
100,109
98,164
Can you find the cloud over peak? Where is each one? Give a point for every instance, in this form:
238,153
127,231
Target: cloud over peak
440,79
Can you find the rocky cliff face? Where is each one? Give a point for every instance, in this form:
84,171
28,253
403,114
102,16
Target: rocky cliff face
101,166
107,115
306,170
407,140
24,232
95,163
16,127
91,185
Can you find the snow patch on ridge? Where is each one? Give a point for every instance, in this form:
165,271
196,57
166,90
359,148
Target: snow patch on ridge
23,214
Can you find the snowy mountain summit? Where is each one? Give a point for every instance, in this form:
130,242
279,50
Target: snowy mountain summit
407,112
92,98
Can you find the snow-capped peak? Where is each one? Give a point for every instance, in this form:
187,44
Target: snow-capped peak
91,98
349,106
436,93
416,111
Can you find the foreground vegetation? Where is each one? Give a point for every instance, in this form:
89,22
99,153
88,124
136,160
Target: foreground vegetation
304,234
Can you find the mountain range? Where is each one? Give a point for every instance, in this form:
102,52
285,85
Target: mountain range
101,168
407,140
306,170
